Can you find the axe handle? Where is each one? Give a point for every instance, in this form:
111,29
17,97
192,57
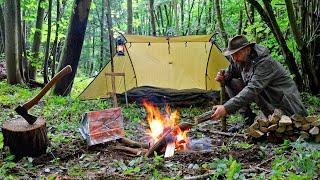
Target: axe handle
47,87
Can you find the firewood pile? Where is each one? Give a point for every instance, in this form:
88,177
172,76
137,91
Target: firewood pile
281,126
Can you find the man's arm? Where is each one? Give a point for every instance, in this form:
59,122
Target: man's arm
264,72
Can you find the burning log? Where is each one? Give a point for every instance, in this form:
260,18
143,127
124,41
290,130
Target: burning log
167,138
24,139
281,126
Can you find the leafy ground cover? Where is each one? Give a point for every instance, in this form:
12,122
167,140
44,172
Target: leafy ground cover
68,156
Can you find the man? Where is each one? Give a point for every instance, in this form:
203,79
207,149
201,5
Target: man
253,76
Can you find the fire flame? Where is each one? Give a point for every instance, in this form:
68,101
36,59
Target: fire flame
160,124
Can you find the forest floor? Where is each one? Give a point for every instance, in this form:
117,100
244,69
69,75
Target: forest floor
69,157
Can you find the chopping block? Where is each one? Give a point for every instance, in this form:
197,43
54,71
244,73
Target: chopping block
24,139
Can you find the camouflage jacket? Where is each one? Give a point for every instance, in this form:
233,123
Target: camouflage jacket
268,84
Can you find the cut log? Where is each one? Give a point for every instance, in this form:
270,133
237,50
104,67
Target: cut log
255,133
262,120
281,129
284,121
314,131
297,124
289,128
311,119
316,123
306,127
24,139
275,117
132,143
304,135
130,150
264,129
254,125
272,127
317,138
298,118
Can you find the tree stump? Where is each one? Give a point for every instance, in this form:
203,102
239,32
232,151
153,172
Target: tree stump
24,139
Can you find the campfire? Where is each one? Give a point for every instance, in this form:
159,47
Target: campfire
164,133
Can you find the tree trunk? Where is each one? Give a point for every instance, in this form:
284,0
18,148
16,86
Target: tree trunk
36,41
290,60
182,16
73,45
109,22
161,20
189,18
19,40
46,57
240,21
151,11
268,17
309,43
102,19
200,12
175,6
13,72
2,34
220,22
129,20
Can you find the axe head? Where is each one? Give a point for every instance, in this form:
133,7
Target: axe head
24,113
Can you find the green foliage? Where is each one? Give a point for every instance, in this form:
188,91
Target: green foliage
227,168
76,171
1,140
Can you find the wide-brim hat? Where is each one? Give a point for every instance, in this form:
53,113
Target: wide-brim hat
237,43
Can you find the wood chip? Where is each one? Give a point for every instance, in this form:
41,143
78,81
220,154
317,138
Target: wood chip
284,121
255,133
311,119
273,127
314,131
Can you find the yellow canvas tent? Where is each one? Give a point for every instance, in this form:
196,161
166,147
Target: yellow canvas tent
185,62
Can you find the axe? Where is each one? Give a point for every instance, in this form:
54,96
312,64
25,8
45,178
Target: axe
22,110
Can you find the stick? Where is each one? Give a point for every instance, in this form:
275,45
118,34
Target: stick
203,117
130,150
133,143
225,133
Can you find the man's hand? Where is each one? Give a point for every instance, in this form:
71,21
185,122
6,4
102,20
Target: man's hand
220,76
219,112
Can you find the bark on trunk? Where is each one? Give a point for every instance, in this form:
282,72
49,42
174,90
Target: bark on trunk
220,22
13,72
129,9
36,41
46,57
24,139
73,45
153,24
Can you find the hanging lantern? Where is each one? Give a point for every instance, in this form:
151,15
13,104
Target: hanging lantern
120,46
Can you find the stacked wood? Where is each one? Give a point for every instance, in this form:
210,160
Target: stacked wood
282,126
